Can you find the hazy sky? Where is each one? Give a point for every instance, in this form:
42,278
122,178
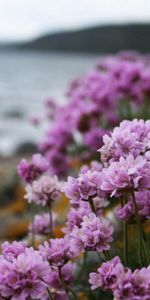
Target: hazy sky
24,19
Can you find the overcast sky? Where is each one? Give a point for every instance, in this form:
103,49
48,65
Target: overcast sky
25,19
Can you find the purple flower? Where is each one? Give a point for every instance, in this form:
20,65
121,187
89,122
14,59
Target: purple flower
11,251
125,175
117,88
43,190
56,251
86,186
107,275
125,212
131,137
71,190
131,286
41,223
32,170
89,185
75,216
94,234
23,276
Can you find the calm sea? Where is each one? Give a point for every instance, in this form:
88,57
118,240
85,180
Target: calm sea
26,80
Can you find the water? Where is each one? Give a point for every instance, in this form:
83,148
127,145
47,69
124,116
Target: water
26,80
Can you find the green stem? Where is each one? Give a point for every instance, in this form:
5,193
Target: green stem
92,205
51,220
125,241
67,289
140,229
146,250
32,233
106,255
49,294
125,235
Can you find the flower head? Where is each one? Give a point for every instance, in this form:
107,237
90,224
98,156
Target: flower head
85,187
107,275
56,251
125,175
11,251
32,170
94,234
23,276
131,286
131,137
75,216
43,190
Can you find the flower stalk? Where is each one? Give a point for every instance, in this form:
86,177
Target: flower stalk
67,289
92,205
141,236
49,294
50,219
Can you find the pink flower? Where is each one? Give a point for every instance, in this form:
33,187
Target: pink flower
11,251
94,234
131,286
125,175
43,190
131,137
107,275
32,170
23,277
56,251
85,187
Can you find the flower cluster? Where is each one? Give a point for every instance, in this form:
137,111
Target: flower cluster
85,187
131,137
127,174
32,170
56,251
95,234
117,88
133,285
22,276
25,274
43,191
125,155
107,274
11,251
75,216
122,282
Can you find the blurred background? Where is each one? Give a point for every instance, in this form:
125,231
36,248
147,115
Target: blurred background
43,45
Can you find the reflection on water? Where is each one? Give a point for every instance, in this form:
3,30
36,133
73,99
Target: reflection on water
26,79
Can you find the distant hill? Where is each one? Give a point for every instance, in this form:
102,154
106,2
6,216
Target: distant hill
102,39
